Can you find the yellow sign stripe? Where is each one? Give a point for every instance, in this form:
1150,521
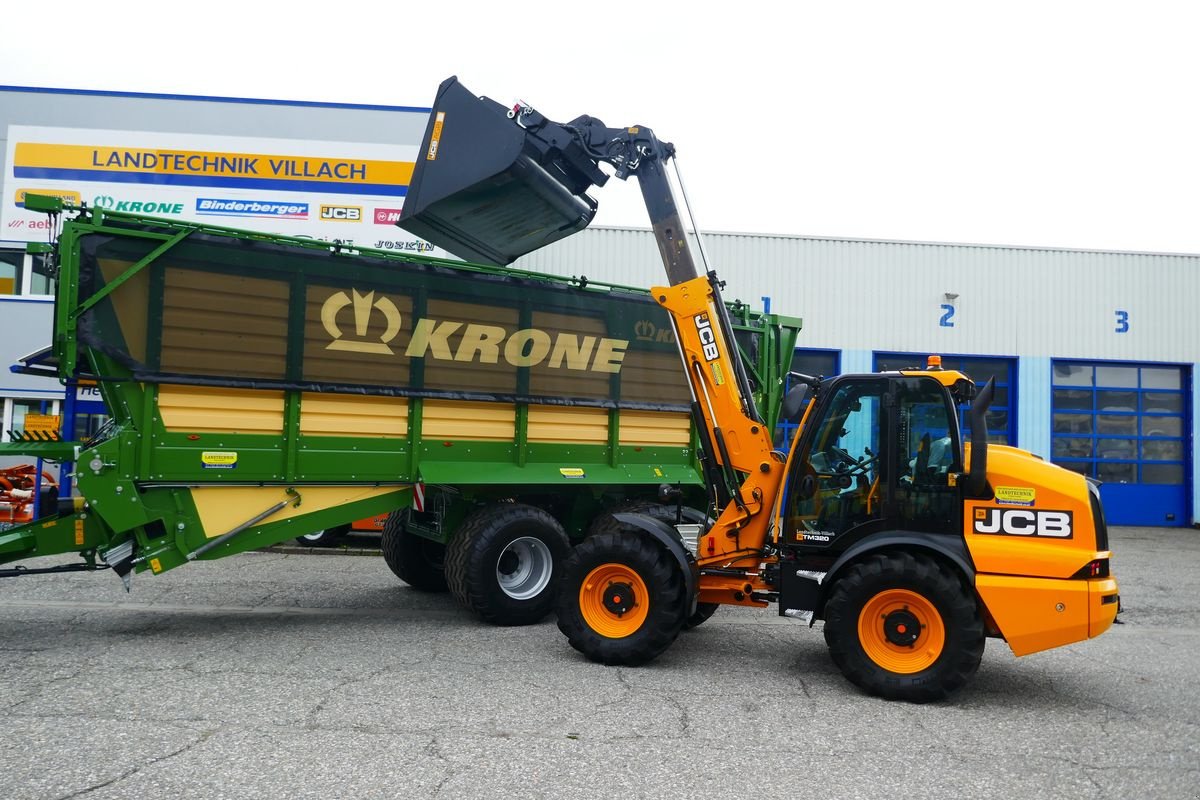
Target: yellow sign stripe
200,162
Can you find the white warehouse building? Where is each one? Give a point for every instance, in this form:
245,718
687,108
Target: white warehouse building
1094,353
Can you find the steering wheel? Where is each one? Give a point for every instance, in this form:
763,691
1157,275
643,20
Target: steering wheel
850,465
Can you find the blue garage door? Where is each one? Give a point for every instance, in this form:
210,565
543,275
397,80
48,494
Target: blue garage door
1127,426
1002,415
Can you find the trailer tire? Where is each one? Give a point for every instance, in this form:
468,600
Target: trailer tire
644,615
504,563
417,561
872,613
326,537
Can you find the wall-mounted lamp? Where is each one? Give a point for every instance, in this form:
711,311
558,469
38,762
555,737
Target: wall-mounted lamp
951,295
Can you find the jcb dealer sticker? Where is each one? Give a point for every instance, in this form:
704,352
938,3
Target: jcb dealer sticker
1016,495
1023,522
219,460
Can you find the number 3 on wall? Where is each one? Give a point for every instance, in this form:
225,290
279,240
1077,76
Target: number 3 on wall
1122,322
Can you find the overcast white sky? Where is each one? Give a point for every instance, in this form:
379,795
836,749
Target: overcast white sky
1071,124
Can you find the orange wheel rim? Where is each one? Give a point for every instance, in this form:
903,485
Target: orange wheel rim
901,631
614,601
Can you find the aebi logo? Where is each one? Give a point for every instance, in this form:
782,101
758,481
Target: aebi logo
708,339
1023,522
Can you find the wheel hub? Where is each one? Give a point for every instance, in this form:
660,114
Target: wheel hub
619,598
901,627
524,568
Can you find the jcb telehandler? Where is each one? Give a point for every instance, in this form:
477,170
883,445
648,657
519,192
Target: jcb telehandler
912,545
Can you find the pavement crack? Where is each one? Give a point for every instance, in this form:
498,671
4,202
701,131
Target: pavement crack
203,737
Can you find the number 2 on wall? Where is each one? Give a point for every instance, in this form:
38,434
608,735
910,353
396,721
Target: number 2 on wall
947,320
1122,321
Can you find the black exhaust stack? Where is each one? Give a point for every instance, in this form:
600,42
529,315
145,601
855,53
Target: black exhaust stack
977,477
490,190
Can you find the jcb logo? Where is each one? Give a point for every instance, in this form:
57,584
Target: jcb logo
341,213
708,339
1023,522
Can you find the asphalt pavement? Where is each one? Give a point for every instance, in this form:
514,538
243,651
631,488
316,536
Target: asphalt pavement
294,675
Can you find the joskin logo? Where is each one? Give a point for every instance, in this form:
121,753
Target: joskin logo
107,201
476,343
341,213
1024,522
223,207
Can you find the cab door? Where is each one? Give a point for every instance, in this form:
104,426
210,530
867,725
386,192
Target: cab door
837,476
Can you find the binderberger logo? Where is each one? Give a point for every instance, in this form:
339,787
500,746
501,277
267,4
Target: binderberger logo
455,340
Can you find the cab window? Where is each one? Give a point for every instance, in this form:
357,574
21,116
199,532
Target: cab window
836,486
928,452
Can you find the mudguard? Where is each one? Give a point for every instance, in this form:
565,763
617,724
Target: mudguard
669,538
952,548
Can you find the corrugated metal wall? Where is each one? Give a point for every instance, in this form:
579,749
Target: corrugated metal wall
890,295
861,296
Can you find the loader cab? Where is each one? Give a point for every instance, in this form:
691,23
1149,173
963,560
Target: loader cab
879,452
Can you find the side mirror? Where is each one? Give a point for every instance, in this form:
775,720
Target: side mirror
794,403
807,487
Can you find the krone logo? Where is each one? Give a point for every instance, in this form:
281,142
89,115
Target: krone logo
363,305
646,331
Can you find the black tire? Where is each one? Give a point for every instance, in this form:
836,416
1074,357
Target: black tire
664,599
328,537
917,593
504,563
606,523
701,615
417,561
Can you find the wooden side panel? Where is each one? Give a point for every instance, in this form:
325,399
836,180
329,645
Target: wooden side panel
568,425
353,415
220,410
455,419
669,428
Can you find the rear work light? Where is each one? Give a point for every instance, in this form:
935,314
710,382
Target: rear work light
1094,569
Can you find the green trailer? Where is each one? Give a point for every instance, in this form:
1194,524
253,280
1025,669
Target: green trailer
263,387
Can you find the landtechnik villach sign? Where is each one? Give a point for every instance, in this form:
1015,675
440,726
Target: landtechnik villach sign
283,186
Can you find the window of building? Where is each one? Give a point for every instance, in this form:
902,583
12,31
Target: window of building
15,410
39,281
10,271
818,363
1120,423
1002,413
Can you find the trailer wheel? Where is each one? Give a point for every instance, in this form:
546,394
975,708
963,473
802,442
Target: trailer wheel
326,537
904,627
504,563
622,599
417,561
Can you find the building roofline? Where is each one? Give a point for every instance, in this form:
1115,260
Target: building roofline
211,99
917,242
